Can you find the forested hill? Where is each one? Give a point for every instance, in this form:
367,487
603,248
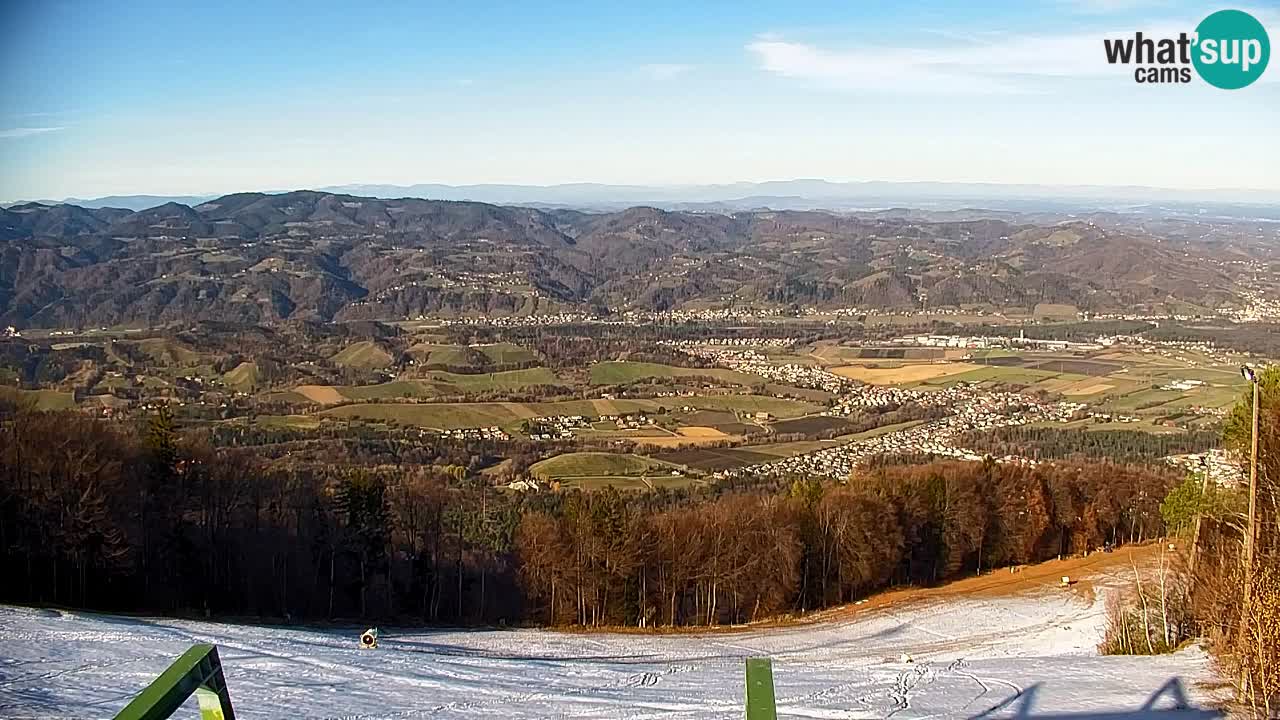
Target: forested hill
110,517
310,255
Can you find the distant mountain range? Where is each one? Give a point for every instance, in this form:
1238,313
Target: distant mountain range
308,255
802,195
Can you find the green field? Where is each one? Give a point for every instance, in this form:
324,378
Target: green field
441,416
993,374
508,380
619,373
364,355
393,390
243,378
623,471
598,464
510,415
438,384
39,399
167,352
462,357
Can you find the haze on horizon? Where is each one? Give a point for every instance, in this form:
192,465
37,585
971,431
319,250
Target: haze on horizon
148,97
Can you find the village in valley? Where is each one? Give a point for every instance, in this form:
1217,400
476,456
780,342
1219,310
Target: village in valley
724,398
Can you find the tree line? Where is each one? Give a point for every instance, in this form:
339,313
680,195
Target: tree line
110,516
1059,443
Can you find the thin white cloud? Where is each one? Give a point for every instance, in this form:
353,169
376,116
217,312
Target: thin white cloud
1103,7
986,63
665,71
21,132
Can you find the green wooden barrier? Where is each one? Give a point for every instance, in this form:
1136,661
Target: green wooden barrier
197,671
760,702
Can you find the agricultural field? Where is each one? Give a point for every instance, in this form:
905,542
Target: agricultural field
714,459
1055,311
436,416
445,416
365,355
598,464
487,382
1009,375
473,358
624,471
906,374
811,425
165,351
39,399
619,373
242,378
436,384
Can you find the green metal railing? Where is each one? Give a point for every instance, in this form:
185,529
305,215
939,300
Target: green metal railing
198,671
760,702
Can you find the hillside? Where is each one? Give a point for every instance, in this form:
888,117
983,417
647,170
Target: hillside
1026,650
317,256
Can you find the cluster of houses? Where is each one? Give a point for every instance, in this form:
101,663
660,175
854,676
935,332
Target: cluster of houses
1182,385
565,427
557,427
738,342
974,411
1110,417
1258,307
704,315
479,433
561,318
1216,464
750,361
632,421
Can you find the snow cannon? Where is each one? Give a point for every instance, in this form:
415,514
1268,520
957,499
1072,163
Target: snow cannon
369,639
1066,581
906,659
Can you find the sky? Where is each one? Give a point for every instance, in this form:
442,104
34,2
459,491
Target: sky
173,98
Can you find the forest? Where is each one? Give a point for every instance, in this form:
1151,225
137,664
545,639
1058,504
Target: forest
1060,443
109,515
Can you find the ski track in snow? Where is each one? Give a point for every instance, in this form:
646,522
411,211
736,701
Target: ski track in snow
971,657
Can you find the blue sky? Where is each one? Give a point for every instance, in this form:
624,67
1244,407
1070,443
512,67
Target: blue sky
104,98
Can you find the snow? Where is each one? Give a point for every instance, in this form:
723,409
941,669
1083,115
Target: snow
1028,655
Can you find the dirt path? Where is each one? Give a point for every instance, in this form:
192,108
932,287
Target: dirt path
1002,582
996,583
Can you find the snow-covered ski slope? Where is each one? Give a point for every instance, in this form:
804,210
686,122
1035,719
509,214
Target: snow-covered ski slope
1026,655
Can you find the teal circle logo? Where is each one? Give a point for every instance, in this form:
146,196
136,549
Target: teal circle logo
1232,49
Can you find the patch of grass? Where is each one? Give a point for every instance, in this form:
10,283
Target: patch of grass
39,399
509,415
507,354
365,355
167,352
440,416
396,389
599,465
1013,375
243,377
508,380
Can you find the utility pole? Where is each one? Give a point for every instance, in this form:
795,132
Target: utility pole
1195,536
1251,532
1251,527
